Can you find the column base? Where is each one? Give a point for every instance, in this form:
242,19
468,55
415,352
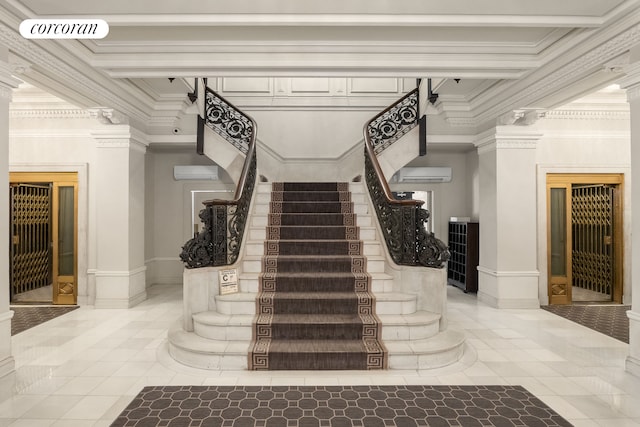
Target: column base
7,363
120,289
508,289
632,364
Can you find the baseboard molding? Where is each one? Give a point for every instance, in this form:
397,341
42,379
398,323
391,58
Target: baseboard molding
632,365
508,302
121,302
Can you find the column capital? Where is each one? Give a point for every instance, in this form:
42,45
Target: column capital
7,81
508,137
120,136
631,81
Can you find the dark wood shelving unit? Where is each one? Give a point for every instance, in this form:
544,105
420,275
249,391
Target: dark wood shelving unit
462,269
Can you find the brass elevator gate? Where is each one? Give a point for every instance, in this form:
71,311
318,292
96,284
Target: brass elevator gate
585,238
31,256
44,237
592,232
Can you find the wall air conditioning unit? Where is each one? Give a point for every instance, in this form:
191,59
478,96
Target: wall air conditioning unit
425,174
195,172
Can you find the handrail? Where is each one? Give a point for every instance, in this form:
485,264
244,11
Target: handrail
218,243
401,221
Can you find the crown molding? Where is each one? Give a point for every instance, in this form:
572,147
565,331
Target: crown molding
73,79
49,113
526,92
575,114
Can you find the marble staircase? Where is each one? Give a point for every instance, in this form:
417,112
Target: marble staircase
220,339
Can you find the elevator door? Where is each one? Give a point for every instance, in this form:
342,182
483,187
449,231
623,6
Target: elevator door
44,213
592,222
584,238
30,247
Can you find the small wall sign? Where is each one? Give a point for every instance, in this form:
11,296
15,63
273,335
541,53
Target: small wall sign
228,281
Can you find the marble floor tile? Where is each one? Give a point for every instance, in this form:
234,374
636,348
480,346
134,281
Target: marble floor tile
85,373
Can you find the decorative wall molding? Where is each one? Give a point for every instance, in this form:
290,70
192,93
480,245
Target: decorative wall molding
507,137
107,116
562,77
520,117
631,80
587,115
49,113
36,55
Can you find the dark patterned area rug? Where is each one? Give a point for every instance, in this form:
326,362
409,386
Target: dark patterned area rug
337,406
28,317
610,319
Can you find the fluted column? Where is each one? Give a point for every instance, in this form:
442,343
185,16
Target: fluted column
507,271
631,82
7,83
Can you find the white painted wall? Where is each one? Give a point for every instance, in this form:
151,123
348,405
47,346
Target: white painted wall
449,198
168,207
583,143
61,143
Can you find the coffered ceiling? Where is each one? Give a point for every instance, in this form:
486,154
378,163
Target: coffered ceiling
508,54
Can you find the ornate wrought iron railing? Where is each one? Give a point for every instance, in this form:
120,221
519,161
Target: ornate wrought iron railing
402,221
220,239
390,125
228,122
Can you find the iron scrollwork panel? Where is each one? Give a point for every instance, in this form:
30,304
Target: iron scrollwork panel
393,124
408,241
228,122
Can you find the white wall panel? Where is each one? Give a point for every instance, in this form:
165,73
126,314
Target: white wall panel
373,85
248,85
310,85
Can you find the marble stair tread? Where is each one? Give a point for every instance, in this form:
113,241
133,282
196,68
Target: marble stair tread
217,319
315,319
380,296
443,341
413,319
190,341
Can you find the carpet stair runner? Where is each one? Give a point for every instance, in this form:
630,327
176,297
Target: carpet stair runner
314,308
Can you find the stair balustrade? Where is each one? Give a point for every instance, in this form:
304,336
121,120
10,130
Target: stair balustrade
219,241
401,221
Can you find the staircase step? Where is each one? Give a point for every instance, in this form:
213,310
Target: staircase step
204,353
262,220
415,326
437,351
386,303
314,302
315,264
313,247
313,232
327,207
311,207
309,186
216,326
313,326
365,233
380,282
317,355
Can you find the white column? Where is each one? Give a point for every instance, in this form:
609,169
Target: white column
7,372
632,84
507,271
120,274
